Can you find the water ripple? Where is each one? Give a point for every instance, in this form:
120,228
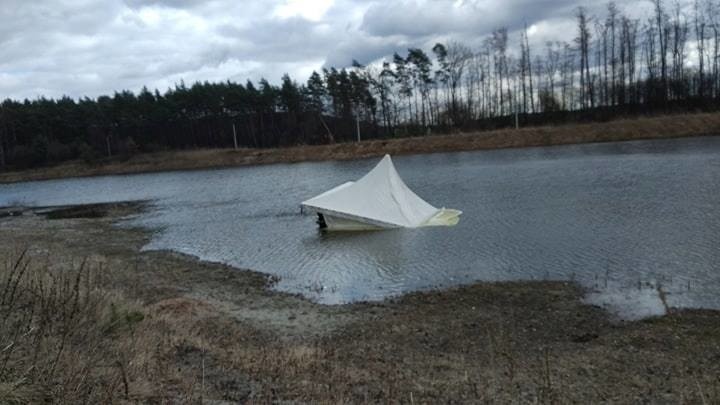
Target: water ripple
625,220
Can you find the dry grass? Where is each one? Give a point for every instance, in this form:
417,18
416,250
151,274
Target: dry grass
429,349
66,338
672,126
501,343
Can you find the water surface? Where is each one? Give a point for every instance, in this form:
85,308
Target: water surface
622,219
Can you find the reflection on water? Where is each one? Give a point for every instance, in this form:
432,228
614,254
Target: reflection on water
626,220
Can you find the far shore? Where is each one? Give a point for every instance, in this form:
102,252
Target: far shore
660,127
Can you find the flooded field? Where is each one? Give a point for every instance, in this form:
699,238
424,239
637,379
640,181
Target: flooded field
633,222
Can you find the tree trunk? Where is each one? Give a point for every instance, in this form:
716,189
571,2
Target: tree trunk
2,152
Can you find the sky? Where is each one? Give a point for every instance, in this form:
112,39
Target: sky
92,47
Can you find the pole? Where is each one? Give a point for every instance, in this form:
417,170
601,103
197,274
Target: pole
3,129
235,136
2,153
357,122
517,121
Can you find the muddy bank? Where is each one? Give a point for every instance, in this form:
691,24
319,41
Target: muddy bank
672,126
234,339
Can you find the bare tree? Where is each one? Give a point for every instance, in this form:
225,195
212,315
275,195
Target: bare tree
601,58
662,33
583,42
679,38
458,56
629,52
552,65
441,74
499,44
526,71
700,38
713,17
611,22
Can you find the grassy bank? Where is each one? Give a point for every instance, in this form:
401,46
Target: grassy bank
93,319
671,126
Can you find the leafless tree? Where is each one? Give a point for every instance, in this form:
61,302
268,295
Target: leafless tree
583,43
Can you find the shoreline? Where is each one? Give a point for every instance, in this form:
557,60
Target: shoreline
126,209
511,341
644,128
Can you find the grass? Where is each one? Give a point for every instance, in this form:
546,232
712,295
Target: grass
670,126
65,338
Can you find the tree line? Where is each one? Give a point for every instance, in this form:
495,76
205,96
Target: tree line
615,66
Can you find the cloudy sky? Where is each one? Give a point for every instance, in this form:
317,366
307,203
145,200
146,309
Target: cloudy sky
93,47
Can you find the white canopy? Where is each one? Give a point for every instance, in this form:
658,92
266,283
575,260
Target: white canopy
380,199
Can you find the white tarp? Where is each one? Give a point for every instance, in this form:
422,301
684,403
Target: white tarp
380,199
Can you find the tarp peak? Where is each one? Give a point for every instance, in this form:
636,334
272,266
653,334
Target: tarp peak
380,199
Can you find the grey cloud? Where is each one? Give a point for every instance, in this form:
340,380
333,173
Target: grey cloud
290,40
92,47
164,3
412,18
365,50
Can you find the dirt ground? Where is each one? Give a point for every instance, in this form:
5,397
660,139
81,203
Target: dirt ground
233,339
669,126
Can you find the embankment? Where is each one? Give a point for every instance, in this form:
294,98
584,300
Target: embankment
669,126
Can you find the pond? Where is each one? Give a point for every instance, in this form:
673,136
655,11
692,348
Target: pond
625,220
